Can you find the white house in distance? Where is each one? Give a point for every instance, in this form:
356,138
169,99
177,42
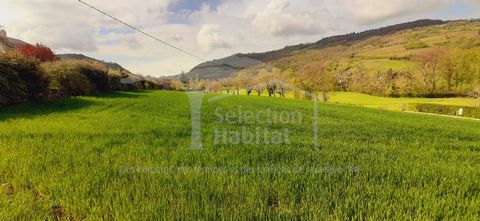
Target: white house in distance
3,39
6,43
3,32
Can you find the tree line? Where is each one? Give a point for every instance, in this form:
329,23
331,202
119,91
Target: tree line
439,72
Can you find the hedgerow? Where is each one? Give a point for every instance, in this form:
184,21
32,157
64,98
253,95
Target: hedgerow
473,112
26,79
21,79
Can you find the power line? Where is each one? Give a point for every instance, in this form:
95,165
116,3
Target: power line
138,30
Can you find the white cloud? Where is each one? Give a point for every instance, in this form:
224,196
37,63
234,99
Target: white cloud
71,25
314,17
231,27
371,11
276,19
210,37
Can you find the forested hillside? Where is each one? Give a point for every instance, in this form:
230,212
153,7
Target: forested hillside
427,58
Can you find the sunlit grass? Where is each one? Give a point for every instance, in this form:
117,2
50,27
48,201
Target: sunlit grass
64,160
395,103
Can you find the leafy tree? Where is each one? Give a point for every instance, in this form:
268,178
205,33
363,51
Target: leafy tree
315,77
176,84
448,68
39,51
473,61
360,80
213,86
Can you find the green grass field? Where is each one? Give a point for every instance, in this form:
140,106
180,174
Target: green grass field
125,156
396,104
385,103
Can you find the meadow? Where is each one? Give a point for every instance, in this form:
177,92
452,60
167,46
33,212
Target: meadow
385,103
396,104
126,156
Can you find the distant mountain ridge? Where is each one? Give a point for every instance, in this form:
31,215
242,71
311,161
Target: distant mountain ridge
222,67
226,67
344,39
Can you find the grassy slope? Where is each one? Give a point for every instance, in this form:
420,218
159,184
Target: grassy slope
375,53
65,158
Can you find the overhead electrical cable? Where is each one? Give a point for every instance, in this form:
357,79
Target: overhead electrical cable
142,32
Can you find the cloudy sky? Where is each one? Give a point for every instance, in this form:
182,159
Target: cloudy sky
208,28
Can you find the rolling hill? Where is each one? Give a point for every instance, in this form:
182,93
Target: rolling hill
387,47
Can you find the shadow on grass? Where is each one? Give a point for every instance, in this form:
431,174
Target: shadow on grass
29,111
125,94
61,105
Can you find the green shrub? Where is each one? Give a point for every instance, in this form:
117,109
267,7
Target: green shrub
473,112
415,45
66,79
115,77
77,77
21,79
96,73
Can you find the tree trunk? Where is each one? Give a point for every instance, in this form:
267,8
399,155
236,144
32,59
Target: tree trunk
325,96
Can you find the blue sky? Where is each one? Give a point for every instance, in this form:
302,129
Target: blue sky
189,5
208,28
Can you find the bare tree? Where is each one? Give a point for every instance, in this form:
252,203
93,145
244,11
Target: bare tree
267,77
259,88
237,83
226,84
271,87
429,63
283,79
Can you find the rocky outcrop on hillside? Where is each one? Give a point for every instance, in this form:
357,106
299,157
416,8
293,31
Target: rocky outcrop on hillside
6,43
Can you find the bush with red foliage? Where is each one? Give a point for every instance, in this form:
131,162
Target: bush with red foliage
39,51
